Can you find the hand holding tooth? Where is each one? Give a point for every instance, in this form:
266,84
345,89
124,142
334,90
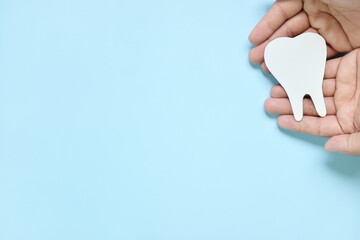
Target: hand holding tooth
342,98
339,85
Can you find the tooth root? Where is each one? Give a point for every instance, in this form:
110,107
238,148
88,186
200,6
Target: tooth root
296,102
319,103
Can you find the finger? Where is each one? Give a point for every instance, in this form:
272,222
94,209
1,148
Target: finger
265,68
282,106
293,27
281,11
348,144
319,126
331,68
277,91
331,52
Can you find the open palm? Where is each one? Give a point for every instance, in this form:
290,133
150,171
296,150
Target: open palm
338,21
341,88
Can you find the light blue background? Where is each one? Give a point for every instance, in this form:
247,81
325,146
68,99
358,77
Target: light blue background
144,120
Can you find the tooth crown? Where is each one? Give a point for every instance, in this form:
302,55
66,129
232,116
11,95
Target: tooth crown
299,65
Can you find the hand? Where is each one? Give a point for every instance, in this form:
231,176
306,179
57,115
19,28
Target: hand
341,88
338,21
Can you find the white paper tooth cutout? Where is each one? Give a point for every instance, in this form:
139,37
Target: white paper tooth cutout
299,65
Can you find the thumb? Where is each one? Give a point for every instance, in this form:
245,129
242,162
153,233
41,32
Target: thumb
348,144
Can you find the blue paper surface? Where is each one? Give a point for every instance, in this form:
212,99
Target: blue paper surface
144,120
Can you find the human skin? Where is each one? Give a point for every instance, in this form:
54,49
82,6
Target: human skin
338,21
